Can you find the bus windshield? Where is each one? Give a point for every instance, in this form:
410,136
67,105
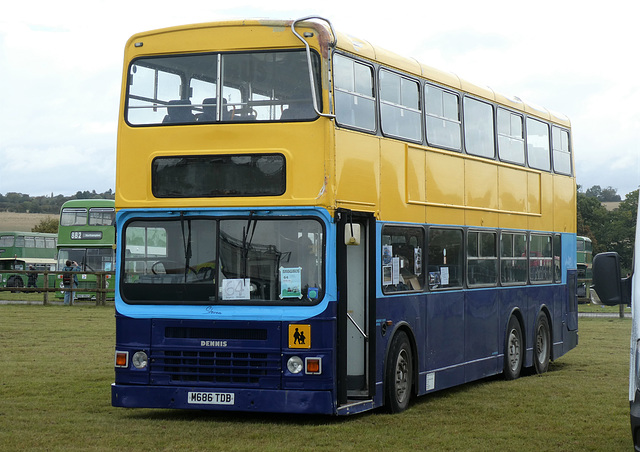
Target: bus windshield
236,260
89,259
253,86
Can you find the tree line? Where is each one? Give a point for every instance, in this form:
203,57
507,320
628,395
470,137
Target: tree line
609,230
22,203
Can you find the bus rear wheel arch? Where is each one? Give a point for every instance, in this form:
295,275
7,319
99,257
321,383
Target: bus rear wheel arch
399,374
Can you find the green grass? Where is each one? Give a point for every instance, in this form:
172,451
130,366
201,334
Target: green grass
56,367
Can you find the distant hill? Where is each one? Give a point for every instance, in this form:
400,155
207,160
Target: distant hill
12,221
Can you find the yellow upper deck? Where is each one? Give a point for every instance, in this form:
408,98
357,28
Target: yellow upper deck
332,166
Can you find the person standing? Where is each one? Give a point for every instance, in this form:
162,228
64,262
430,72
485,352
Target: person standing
33,277
69,279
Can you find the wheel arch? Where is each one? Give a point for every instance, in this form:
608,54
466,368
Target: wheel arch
517,313
406,328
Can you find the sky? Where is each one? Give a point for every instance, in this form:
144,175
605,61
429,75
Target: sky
61,68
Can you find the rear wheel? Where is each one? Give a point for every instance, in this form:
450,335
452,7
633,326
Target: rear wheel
513,350
15,281
542,346
399,374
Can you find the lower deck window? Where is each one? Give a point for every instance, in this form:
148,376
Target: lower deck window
482,259
240,260
445,258
402,253
540,259
513,258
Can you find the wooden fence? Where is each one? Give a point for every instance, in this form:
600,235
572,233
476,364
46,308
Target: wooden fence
50,282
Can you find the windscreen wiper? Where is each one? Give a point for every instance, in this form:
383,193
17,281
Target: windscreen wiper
187,245
246,241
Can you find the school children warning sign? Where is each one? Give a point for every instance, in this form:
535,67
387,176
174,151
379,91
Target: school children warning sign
299,336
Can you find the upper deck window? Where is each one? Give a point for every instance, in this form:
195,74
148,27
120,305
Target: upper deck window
538,145
510,137
444,127
561,152
73,217
252,86
354,97
478,128
400,106
102,216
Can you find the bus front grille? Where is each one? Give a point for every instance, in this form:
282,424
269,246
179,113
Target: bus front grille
211,368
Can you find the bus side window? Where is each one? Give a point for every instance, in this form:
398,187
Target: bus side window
445,258
402,254
354,96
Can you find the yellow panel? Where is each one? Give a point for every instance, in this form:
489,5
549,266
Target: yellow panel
357,170
544,202
415,175
565,204
398,173
513,198
307,164
513,192
481,193
534,193
481,184
445,187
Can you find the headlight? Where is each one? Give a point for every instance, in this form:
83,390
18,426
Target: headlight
295,365
139,360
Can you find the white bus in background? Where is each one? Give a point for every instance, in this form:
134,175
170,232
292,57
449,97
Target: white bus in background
613,290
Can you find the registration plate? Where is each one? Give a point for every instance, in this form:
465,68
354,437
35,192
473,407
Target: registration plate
211,398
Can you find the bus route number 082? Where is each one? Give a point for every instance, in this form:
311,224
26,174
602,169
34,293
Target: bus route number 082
211,398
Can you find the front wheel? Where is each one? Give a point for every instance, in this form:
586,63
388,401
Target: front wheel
15,281
542,346
513,350
399,374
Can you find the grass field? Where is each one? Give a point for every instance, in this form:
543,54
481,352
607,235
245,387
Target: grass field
56,367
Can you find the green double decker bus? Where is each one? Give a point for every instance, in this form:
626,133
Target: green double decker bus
86,235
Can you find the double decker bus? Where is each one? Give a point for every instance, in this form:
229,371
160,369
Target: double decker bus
21,250
311,224
86,235
584,258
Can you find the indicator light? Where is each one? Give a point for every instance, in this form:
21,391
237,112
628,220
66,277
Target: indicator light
313,366
122,359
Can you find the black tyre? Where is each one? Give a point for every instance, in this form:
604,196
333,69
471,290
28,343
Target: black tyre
399,374
542,345
513,350
15,281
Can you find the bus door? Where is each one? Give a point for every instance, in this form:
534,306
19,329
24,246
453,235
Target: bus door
356,316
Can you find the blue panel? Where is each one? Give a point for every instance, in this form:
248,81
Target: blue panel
445,330
134,396
482,333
